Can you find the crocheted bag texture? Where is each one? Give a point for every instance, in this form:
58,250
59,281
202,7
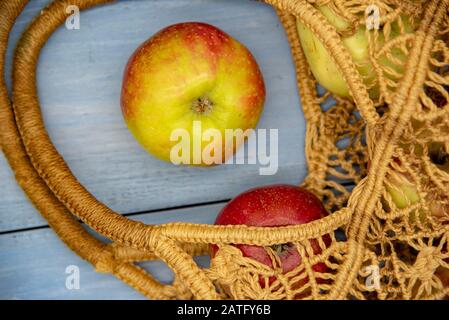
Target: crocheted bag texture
399,135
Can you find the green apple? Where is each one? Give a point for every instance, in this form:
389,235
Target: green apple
402,191
324,68
405,194
187,74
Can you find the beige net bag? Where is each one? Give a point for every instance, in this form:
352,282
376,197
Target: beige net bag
396,219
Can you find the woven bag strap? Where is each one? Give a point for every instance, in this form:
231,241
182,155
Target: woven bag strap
68,229
103,257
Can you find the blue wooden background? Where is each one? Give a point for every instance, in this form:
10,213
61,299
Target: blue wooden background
79,79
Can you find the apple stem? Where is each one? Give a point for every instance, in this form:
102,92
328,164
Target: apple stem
202,105
281,248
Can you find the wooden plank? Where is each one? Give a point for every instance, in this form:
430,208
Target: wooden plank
34,263
79,77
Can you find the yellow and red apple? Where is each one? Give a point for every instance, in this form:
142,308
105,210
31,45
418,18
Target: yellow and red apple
190,72
275,206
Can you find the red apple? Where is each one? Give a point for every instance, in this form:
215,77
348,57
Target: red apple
185,75
274,206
